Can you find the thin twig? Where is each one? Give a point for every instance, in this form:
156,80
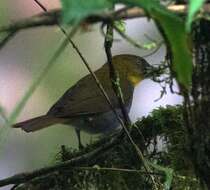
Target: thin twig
42,6
119,170
97,82
128,38
113,74
116,87
135,44
154,51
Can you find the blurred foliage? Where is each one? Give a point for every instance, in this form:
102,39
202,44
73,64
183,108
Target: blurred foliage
4,13
75,11
162,125
171,26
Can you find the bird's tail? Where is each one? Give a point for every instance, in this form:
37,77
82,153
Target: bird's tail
37,123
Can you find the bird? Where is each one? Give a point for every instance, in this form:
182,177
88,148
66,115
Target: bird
83,105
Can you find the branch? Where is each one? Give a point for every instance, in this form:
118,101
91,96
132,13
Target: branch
97,162
43,19
52,17
76,161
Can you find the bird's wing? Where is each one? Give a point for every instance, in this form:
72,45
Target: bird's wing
85,98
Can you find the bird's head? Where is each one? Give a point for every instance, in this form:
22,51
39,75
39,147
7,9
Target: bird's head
134,67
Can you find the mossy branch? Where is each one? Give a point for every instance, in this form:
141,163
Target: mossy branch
110,162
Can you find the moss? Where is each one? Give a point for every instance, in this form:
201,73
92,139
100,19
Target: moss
163,125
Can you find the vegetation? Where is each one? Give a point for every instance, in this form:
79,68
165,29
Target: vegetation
119,166
135,159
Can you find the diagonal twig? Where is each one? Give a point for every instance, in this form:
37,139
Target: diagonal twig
115,82
7,38
88,67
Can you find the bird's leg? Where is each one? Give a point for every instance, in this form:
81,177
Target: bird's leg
79,139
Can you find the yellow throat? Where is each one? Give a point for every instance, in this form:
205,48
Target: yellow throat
134,79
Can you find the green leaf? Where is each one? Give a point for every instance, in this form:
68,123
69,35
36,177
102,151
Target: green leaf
194,6
173,29
75,10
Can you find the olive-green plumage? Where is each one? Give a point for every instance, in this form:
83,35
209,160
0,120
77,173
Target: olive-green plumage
84,106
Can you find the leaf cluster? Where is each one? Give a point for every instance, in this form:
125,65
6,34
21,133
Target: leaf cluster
173,28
